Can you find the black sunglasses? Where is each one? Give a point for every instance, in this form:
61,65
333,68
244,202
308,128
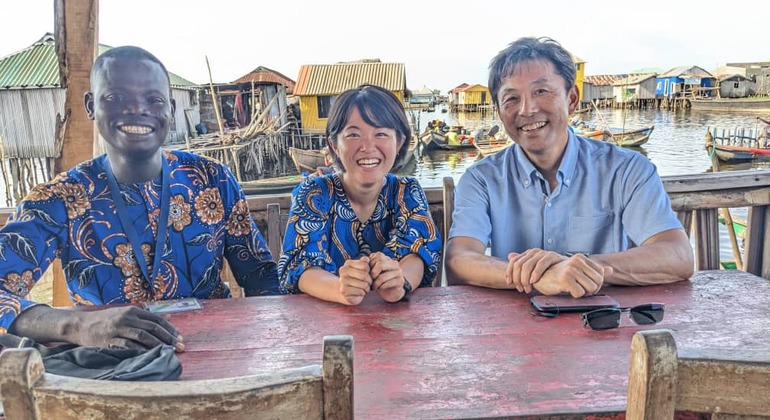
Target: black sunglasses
608,318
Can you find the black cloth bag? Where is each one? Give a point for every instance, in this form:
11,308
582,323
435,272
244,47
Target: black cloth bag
157,364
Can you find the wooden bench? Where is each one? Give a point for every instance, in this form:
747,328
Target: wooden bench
663,379
317,391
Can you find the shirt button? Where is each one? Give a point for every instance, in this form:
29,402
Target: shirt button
550,241
549,204
526,182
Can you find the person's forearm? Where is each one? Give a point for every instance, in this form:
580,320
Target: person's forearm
654,263
46,325
320,283
413,269
476,269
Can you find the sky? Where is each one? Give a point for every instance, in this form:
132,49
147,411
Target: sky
443,43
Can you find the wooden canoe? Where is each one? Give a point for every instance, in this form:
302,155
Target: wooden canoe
282,184
432,140
622,137
490,148
307,160
628,137
737,145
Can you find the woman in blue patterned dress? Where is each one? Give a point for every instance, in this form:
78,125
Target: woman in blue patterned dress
363,228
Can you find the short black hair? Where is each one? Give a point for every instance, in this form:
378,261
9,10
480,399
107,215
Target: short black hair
126,51
527,49
379,108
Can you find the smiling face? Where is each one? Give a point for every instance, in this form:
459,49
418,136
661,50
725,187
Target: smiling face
534,106
130,102
366,152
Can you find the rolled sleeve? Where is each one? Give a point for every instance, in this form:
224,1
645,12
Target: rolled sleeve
306,239
415,232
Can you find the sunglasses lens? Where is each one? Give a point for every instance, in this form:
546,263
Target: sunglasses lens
650,313
602,319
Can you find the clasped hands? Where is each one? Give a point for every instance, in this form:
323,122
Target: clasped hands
374,272
550,273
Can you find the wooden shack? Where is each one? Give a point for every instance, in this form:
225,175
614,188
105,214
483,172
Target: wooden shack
318,85
471,98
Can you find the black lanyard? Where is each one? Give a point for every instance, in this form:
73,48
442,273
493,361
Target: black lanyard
129,229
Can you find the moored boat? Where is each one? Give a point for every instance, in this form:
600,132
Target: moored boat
731,104
433,140
307,160
737,145
492,147
282,184
625,137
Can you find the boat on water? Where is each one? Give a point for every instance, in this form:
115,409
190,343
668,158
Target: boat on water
278,185
625,137
731,104
487,142
492,147
307,160
434,140
737,145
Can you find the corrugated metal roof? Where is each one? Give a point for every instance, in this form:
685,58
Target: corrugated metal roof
459,88
38,67
468,87
34,66
686,71
333,79
633,79
265,75
603,79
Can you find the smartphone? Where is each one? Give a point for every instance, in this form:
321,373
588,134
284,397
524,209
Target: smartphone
561,303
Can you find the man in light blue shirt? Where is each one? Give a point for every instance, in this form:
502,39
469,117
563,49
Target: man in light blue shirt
557,209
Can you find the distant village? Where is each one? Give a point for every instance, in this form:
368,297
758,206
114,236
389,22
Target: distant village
249,122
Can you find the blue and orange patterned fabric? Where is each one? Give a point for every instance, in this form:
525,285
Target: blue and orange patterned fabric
74,217
323,231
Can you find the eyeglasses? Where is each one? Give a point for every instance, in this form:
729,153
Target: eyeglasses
608,318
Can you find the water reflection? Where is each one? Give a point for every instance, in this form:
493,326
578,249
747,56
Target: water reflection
676,145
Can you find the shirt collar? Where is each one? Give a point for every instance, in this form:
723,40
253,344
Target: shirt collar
527,172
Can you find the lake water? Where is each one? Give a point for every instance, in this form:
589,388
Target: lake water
676,145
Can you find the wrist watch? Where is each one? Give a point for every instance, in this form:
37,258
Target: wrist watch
407,288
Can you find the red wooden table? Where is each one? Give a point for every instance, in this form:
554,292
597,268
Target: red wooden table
458,352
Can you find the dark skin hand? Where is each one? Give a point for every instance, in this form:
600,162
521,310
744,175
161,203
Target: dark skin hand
122,327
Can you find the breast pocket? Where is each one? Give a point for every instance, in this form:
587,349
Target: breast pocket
591,234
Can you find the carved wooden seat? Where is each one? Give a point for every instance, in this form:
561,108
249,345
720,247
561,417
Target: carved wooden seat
662,380
316,391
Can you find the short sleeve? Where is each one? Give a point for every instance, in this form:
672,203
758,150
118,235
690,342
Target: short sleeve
305,243
414,231
472,208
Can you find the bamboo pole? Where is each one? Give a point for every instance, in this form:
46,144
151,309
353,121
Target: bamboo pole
8,193
216,103
728,218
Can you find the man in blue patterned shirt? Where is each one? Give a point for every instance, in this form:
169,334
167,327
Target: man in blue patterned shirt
135,225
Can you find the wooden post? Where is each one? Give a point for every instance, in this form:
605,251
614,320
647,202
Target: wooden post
77,43
76,48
